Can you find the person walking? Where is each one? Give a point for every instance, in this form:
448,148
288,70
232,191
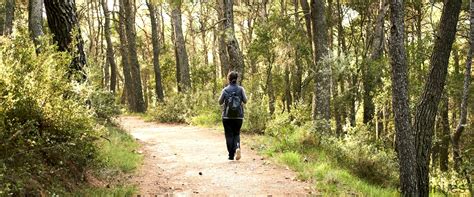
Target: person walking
232,98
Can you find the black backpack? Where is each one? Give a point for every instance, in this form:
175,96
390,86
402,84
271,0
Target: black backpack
233,104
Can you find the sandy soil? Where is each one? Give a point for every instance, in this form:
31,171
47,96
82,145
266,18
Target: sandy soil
182,160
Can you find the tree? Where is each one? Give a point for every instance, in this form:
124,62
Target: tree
139,105
464,101
110,47
322,90
128,84
35,19
9,17
223,56
63,23
236,59
405,136
433,89
156,51
184,82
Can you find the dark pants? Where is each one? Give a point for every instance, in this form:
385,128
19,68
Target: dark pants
232,135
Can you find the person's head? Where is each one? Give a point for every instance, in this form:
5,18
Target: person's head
232,77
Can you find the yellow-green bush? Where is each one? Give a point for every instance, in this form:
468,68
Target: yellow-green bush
47,131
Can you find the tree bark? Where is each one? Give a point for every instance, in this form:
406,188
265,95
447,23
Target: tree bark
236,58
223,56
62,21
464,101
156,51
128,84
35,20
322,91
139,105
9,17
110,47
405,137
182,55
307,18
370,80
298,71
434,86
445,134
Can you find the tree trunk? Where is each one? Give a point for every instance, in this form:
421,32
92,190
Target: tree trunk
9,17
434,86
128,84
445,135
298,70
236,59
370,80
405,140
182,55
322,90
156,51
139,105
62,22
463,111
110,47
35,20
307,18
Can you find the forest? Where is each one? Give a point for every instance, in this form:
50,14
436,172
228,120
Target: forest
380,88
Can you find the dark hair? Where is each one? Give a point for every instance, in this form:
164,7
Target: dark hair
232,77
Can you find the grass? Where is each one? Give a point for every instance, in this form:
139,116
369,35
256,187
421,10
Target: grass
316,165
117,157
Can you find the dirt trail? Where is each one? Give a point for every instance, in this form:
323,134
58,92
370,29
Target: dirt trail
183,160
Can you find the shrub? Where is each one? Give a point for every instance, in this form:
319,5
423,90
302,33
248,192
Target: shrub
103,104
256,115
46,130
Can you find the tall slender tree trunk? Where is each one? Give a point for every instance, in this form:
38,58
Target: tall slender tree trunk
139,105
128,84
110,47
298,70
236,59
322,90
434,86
156,51
182,55
405,137
63,23
35,20
370,80
307,18
464,101
445,134
9,17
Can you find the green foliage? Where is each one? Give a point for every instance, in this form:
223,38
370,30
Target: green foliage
103,104
47,132
256,115
120,153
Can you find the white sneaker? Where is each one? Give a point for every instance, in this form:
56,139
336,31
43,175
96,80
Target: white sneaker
237,154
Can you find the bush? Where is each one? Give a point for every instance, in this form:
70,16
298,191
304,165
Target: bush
256,115
103,105
46,130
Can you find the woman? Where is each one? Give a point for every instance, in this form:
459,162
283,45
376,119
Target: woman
232,97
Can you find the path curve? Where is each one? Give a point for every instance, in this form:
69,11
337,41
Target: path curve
183,160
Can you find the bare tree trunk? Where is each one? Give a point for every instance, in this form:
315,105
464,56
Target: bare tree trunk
298,70
322,90
185,79
35,20
139,105
370,81
236,58
62,21
434,86
445,134
307,18
463,111
9,17
404,134
128,84
156,51
110,47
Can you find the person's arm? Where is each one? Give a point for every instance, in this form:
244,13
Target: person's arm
221,98
244,97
